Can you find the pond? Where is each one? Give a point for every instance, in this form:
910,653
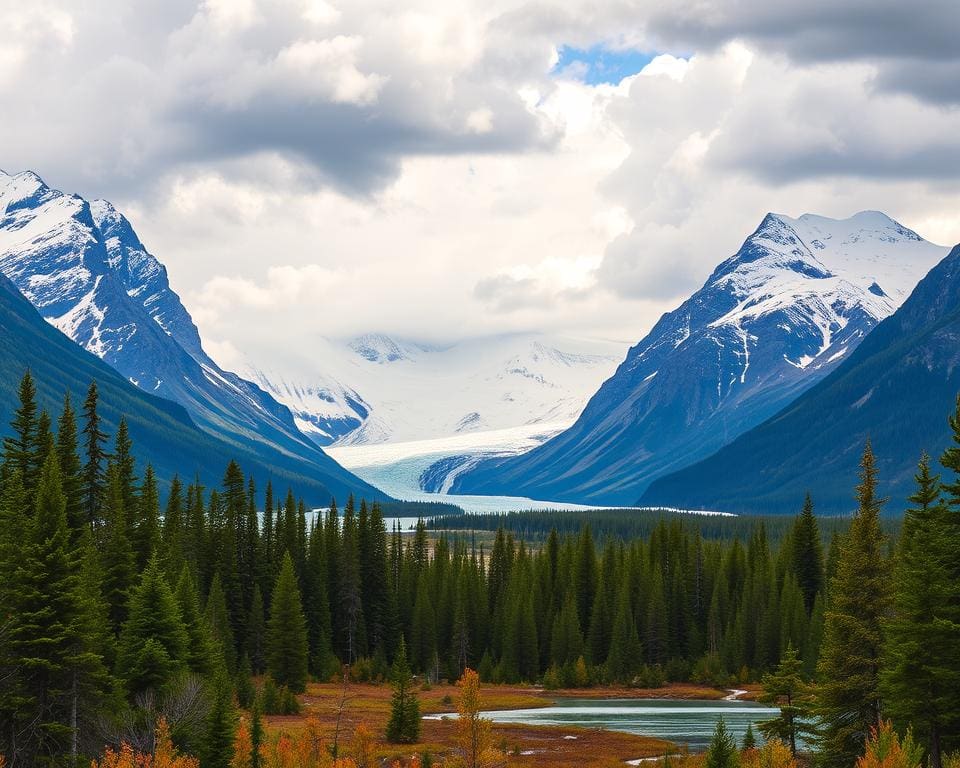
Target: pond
689,722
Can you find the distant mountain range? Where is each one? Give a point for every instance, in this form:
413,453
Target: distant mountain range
382,389
83,268
896,389
771,322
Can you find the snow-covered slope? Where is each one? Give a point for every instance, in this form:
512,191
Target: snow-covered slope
377,389
84,269
771,321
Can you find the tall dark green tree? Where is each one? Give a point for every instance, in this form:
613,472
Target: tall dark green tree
21,449
921,670
848,698
154,644
808,554
722,752
784,688
403,727
94,439
71,470
287,631
119,565
45,634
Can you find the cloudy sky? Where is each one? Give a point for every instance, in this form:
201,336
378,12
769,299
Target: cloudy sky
447,169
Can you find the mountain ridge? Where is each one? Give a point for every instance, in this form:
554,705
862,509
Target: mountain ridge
104,290
897,389
769,322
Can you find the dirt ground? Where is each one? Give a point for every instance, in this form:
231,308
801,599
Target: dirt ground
523,744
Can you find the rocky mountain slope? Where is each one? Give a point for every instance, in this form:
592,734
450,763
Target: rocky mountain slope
896,389
771,321
84,269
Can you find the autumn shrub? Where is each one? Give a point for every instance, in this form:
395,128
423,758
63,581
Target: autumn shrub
885,749
164,754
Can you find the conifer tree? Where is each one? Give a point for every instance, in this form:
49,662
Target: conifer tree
623,661
784,688
126,466
722,752
808,554
146,534
220,727
403,727
174,529
153,646
287,632
71,471
46,630
848,699
201,655
119,567
921,671
94,454
20,450
257,633
218,621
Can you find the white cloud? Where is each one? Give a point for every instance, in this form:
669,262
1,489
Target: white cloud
313,167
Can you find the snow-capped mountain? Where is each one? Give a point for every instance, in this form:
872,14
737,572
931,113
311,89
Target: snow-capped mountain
896,390
378,389
84,269
771,321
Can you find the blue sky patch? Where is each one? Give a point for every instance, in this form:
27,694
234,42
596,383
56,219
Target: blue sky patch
601,64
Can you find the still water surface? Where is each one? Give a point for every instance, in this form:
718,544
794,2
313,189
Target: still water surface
682,722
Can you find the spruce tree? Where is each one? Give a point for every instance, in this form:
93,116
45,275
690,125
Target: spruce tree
20,450
201,654
921,671
94,454
287,632
154,644
808,554
146,533
220,727
403,727
623,661
71,470
217,617
784,688
46,636
722,752
848,698
119,567
257,633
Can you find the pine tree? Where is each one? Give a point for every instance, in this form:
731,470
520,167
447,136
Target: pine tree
217,617
46,630
94,453
119,568
848,699
201,655
71,471
20,450
257,633
808,554
287,632
403,727
784,688
174,529
623,661
921,671
154,644
146,534
220,727
722,752
749,739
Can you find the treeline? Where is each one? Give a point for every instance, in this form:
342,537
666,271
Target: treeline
625,524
